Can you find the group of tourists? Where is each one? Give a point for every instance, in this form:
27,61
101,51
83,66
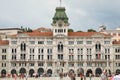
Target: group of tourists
72,76
115,76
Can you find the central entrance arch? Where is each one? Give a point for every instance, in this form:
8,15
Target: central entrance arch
40,71
13,71
22,71
31,72
80,71
98,72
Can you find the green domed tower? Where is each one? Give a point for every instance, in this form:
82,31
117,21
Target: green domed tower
60,22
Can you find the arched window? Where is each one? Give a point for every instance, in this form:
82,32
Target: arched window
23,47
60,47
98,47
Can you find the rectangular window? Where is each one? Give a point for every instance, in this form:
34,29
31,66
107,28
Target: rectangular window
22,56
60,56
4,50
31,57
41,64
49,51
49,57
40,42
40,57
49,64
71,64
13,64
22,64
31,64
13,42
3,57
49,42
3,64
80,57
14,50
89,42
89,50
32,50
41,50
89,64
80,64
71,42
13,57
71,57
80,50
79,42
31,42
106,42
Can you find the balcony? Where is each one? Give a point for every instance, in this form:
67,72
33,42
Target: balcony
98,60
19,60
81,60
40,60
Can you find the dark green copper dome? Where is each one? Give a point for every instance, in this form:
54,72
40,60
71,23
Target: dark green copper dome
60,15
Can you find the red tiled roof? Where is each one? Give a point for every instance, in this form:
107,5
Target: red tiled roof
36,33
116,42
4,42
85,33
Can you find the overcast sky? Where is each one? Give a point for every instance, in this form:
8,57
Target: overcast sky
83,14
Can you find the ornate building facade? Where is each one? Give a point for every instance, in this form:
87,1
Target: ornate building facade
58,51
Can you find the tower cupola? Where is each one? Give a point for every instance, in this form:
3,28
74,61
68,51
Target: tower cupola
60,22
60,17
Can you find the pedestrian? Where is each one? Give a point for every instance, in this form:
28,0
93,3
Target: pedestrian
90,76
15,76
61,76
117,76
104,75
26,76
84,77
81,76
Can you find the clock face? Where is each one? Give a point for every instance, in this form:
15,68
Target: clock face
60,24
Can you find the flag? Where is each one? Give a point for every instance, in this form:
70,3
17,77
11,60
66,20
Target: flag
98,55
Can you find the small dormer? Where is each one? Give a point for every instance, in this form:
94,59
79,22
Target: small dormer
60,22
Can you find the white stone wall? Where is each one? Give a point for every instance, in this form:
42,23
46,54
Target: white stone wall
56,40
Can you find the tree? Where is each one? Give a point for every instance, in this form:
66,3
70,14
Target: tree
79,31
70,30
91,30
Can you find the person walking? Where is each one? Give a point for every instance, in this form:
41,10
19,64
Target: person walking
117,76
104,75
90,76
81,76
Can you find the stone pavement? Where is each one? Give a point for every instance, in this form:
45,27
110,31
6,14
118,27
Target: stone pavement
50,78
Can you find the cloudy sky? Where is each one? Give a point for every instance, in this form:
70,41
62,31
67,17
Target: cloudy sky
83,14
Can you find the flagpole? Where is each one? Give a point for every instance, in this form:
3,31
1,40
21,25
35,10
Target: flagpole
60,3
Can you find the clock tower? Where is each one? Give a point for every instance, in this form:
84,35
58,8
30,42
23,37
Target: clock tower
60,22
